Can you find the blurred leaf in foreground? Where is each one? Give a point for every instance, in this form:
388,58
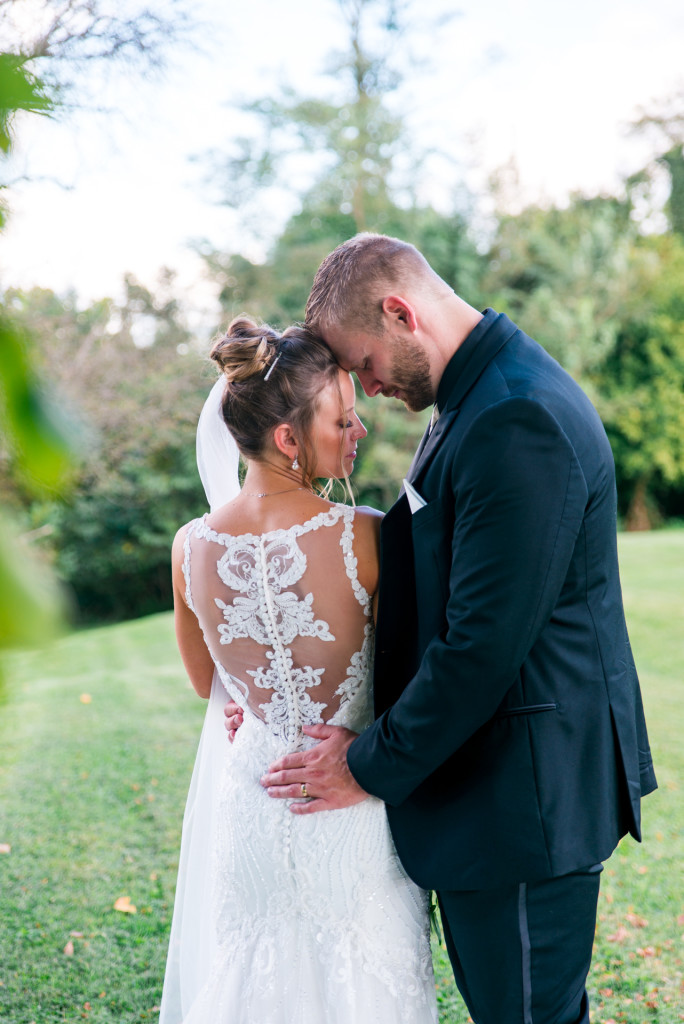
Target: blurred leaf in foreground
32,605
37,436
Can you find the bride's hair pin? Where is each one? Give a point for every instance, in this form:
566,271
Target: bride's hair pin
272,367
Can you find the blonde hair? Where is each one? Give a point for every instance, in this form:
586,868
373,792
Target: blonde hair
272,378
347,290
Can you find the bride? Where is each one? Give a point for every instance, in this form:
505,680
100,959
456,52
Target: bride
282,918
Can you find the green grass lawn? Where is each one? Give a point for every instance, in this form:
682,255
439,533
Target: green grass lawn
97,740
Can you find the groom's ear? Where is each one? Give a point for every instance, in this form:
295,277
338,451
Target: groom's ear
400,311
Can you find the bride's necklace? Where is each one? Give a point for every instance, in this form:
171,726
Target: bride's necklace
268,494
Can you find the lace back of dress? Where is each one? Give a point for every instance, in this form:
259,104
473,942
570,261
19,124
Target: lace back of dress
286,620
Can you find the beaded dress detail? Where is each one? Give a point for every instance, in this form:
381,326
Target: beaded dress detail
314,919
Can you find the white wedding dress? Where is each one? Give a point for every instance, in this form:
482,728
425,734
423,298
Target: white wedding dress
281,918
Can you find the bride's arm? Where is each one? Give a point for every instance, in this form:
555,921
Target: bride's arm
193,650
367,550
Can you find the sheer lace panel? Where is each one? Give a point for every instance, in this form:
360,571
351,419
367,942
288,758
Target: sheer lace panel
285,618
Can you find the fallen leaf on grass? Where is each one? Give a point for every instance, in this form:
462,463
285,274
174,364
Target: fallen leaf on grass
606,992
638,922
620,935
643,870
85,698
680,919
125,906
69,949
5,847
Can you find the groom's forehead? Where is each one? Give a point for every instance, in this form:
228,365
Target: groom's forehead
352,349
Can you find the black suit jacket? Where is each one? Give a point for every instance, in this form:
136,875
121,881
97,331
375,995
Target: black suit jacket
509,741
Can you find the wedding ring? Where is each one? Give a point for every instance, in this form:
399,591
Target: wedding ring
304,792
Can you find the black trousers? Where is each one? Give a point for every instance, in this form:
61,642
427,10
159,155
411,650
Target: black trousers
521,953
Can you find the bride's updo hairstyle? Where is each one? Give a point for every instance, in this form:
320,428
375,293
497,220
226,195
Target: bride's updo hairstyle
272,378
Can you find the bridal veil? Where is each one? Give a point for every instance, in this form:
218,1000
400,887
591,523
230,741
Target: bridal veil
192,943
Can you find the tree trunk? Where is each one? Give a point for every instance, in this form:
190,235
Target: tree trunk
640,514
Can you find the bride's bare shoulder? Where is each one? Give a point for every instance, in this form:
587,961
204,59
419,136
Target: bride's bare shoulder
368,519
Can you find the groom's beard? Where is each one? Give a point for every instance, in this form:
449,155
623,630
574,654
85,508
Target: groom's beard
410,372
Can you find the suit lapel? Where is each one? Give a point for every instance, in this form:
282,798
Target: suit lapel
420,449
430,443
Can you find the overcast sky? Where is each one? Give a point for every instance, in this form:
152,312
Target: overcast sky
549,83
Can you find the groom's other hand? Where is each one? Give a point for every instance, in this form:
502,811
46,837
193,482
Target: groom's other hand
322,770
233,718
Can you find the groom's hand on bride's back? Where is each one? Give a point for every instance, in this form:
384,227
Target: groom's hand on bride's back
322,770
233,718
317,779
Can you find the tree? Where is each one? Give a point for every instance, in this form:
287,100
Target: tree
137,405
358,175
63,40
641,385
565,274
664,124
352,141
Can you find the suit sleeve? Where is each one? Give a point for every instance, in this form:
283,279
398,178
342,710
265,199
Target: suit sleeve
519,500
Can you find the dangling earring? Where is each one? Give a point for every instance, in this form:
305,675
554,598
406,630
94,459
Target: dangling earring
295,463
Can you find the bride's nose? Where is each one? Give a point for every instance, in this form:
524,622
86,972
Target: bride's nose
359,429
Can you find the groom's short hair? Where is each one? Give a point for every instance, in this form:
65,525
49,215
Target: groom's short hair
353,279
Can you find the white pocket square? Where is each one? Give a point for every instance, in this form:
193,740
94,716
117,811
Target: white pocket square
415,499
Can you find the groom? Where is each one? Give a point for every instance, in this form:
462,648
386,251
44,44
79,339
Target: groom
509,744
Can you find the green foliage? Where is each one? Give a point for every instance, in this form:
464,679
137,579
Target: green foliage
664,125
136,480
19,90
674,161
65,42
37,445
564,275
40,437
641,383
33,438
351,142
606,302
